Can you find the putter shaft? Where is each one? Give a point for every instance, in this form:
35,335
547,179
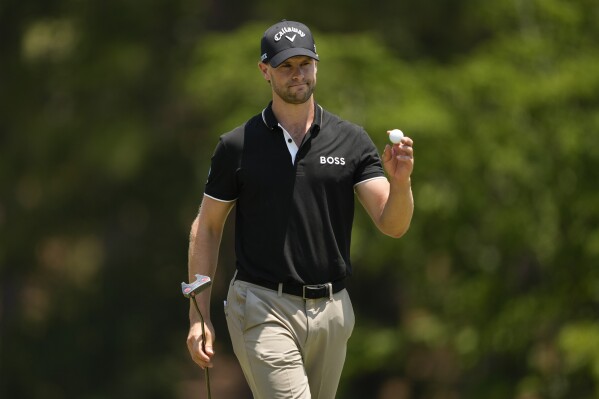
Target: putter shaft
206,370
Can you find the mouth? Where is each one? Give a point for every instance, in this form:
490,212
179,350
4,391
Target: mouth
299,85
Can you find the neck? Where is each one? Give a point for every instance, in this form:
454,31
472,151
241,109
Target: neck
295,118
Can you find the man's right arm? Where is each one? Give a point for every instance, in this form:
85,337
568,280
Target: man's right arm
204,245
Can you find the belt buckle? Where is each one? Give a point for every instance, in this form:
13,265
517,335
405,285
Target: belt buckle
328,286
308,288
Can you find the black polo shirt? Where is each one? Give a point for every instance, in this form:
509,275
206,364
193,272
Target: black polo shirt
293,219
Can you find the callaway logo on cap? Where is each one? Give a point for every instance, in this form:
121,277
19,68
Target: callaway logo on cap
287,39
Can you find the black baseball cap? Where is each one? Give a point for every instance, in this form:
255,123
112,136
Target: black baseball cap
287,39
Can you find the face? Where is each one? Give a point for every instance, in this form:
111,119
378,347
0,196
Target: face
293,80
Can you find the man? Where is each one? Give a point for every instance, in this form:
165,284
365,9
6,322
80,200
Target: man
292,171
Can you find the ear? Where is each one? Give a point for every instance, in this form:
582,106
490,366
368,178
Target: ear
264,69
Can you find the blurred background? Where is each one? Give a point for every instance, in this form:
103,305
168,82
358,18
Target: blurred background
110,111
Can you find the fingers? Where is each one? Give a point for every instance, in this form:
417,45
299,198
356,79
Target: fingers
401,151
201,357
398,160
387,154
201,353
404,149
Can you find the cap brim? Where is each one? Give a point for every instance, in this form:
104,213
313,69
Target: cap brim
291,52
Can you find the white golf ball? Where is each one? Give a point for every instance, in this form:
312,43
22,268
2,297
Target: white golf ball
395,136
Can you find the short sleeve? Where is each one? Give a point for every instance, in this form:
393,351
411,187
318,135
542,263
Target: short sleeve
370,165
222,176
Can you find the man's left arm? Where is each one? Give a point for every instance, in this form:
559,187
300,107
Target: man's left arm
390,203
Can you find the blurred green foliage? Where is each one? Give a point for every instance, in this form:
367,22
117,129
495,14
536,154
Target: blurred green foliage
109,114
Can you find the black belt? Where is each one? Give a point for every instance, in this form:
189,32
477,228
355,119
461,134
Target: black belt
312,291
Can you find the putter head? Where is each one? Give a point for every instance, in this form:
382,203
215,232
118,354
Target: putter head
192,289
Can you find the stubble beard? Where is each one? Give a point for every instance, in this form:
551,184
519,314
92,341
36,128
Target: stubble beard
291,96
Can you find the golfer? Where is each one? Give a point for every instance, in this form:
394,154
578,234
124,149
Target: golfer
292,172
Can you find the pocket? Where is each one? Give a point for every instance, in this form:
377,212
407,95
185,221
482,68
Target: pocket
256,311
262,307
348,314
235,304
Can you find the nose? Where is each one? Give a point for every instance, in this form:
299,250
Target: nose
297,72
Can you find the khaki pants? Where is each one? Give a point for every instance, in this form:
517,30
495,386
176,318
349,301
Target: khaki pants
288,347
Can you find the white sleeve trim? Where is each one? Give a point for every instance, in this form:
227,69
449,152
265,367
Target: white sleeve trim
372,178
218,199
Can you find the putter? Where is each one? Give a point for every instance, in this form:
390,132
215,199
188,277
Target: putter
190,291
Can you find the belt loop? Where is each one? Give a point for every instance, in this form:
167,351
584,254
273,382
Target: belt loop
280,292
330,287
